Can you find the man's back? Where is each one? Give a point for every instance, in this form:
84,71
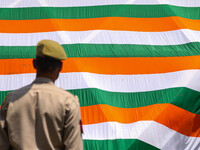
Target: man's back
41,116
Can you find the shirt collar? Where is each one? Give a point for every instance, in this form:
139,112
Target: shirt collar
43,80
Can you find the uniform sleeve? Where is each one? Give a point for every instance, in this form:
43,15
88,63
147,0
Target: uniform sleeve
4,141
72,131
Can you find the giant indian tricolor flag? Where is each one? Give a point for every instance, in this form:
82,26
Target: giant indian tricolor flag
134,64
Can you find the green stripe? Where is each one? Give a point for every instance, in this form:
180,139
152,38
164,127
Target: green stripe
182,97
136,11
119,144
108,50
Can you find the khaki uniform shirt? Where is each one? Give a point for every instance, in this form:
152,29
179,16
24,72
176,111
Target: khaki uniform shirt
40,116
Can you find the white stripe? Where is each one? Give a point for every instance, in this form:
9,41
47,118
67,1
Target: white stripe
77,3
150,132
14,4
113,83
176,37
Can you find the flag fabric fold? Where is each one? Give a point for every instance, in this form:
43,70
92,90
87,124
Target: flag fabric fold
134,64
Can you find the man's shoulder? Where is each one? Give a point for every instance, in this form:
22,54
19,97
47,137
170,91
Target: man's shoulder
71,100
21,90
49,89
63,92
16,94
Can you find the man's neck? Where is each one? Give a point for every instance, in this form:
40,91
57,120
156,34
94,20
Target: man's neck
51,76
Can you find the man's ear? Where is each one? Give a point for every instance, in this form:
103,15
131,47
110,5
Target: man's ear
34,63
60,66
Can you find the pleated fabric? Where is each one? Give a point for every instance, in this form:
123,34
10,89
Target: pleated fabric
134,64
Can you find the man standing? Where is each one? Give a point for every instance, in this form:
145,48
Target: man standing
41,116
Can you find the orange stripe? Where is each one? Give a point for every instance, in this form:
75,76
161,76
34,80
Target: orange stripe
126,65
169,115
107,23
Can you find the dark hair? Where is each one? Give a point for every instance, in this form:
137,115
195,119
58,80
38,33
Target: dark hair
47,64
